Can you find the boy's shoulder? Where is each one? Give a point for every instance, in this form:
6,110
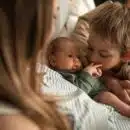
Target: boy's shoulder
124,72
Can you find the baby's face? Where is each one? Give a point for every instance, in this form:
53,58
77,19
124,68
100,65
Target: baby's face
67,58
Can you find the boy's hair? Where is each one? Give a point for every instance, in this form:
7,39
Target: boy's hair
112,22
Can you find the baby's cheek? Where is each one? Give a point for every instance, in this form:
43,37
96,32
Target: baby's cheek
68,63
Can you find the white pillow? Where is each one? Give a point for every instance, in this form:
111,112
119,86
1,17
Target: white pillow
79,7
62,15
75,9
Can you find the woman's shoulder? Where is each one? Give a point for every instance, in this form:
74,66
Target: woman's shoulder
12,119
16,122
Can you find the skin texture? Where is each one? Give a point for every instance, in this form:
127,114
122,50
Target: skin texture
17,122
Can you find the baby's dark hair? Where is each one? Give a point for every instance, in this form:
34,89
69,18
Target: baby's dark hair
57,44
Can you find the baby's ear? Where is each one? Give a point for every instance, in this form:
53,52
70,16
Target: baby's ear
52,60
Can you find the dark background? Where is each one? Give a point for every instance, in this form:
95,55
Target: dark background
97,2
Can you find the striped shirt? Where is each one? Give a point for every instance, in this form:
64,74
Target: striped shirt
88,115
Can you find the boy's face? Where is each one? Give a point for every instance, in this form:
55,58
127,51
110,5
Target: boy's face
66,58
103,52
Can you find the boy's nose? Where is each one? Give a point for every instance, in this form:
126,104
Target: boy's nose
93,59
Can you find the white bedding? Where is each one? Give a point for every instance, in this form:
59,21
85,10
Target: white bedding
88,114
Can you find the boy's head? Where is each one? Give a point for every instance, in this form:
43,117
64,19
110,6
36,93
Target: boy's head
109,38
63,55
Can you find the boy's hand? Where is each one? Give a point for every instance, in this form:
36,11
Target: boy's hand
118,87
125,84
94,70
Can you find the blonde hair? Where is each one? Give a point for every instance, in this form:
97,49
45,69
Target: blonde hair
24,30
111,21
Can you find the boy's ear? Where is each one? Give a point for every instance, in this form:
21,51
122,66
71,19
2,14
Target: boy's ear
52,60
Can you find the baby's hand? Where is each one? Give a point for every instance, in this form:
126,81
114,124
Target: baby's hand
94,70
125,84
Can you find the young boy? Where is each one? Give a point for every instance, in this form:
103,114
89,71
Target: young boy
109,42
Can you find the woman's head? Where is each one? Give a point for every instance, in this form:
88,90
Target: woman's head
25,28
109,38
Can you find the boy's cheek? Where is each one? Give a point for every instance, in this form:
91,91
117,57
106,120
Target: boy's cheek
85,62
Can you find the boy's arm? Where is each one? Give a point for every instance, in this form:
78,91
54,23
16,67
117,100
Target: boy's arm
121,78
118,87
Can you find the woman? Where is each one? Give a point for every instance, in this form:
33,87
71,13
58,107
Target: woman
25,27
23,106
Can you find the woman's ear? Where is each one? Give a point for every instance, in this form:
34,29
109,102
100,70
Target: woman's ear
52,60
